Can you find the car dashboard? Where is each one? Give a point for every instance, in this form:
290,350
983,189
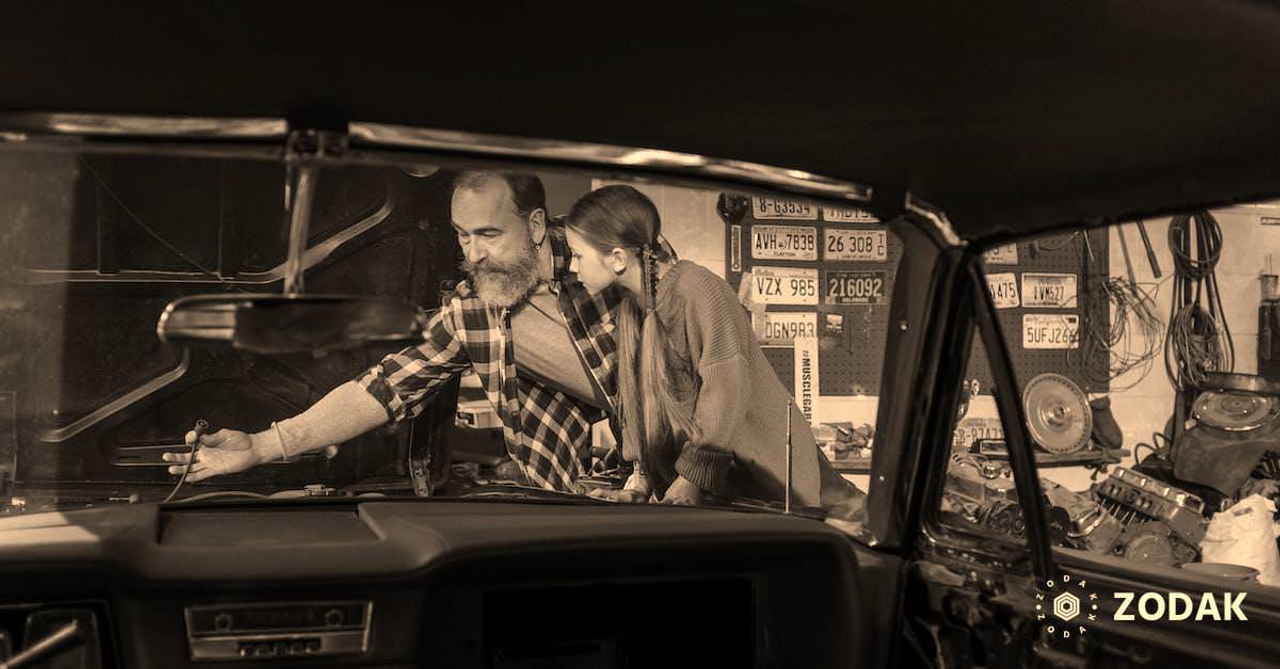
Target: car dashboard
431,583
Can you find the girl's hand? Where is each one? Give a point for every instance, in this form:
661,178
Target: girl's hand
684,493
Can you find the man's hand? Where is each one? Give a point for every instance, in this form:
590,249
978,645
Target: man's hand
619,495
222,452
684,493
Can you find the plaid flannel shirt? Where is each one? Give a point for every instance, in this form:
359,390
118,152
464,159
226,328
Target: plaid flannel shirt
546,431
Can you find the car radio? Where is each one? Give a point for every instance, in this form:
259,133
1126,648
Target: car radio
278,630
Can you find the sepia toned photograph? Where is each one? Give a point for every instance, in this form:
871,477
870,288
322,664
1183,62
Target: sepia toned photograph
566,335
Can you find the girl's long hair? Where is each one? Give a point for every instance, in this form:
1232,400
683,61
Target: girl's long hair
649,374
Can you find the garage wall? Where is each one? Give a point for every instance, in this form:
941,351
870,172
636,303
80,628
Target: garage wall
1246,243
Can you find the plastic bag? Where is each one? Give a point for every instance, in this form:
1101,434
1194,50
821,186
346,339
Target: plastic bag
1245,535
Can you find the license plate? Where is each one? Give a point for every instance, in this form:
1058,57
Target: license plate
847,215
1041,331
784,242
1002,255
854,245
845,287
1004,289
1056,291
784,285
781,329
768,207
972,429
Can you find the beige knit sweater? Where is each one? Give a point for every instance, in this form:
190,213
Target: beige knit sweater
739,401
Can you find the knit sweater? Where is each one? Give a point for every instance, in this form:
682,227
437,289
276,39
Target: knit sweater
739,400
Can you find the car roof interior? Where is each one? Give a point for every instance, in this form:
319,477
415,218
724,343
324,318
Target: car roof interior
1011,118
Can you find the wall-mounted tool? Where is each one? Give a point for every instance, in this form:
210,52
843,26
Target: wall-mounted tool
1151,254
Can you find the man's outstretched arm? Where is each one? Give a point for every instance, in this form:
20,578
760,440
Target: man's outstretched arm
391,390
348,411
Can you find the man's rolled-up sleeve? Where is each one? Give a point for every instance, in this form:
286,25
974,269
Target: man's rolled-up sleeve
402,381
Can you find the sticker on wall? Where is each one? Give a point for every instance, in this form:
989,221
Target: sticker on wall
1050,331
784,242
855,286
1269,220
1004,289
843,244
833,325
1002,255
784,285
735,248
1054,291
771,207
783,328
848,215
806,375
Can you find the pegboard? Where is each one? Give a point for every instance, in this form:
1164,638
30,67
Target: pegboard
851,360
850,354
1061,254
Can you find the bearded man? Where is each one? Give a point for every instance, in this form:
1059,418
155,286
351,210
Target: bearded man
541,345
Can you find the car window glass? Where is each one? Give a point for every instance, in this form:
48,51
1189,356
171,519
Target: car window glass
1146,357
98,244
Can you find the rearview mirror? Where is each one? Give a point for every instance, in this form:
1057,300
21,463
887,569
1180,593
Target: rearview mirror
273,323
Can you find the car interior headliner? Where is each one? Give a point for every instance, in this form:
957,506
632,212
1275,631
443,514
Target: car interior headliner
1010,116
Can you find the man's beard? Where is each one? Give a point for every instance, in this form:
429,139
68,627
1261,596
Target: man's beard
504,284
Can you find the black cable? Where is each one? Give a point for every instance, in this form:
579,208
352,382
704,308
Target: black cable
202,427
1198,339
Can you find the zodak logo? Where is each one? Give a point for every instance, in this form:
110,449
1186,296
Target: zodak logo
1069,604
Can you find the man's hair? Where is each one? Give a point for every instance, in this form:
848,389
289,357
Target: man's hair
527,193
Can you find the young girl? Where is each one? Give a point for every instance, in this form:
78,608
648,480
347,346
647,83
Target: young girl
701,409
